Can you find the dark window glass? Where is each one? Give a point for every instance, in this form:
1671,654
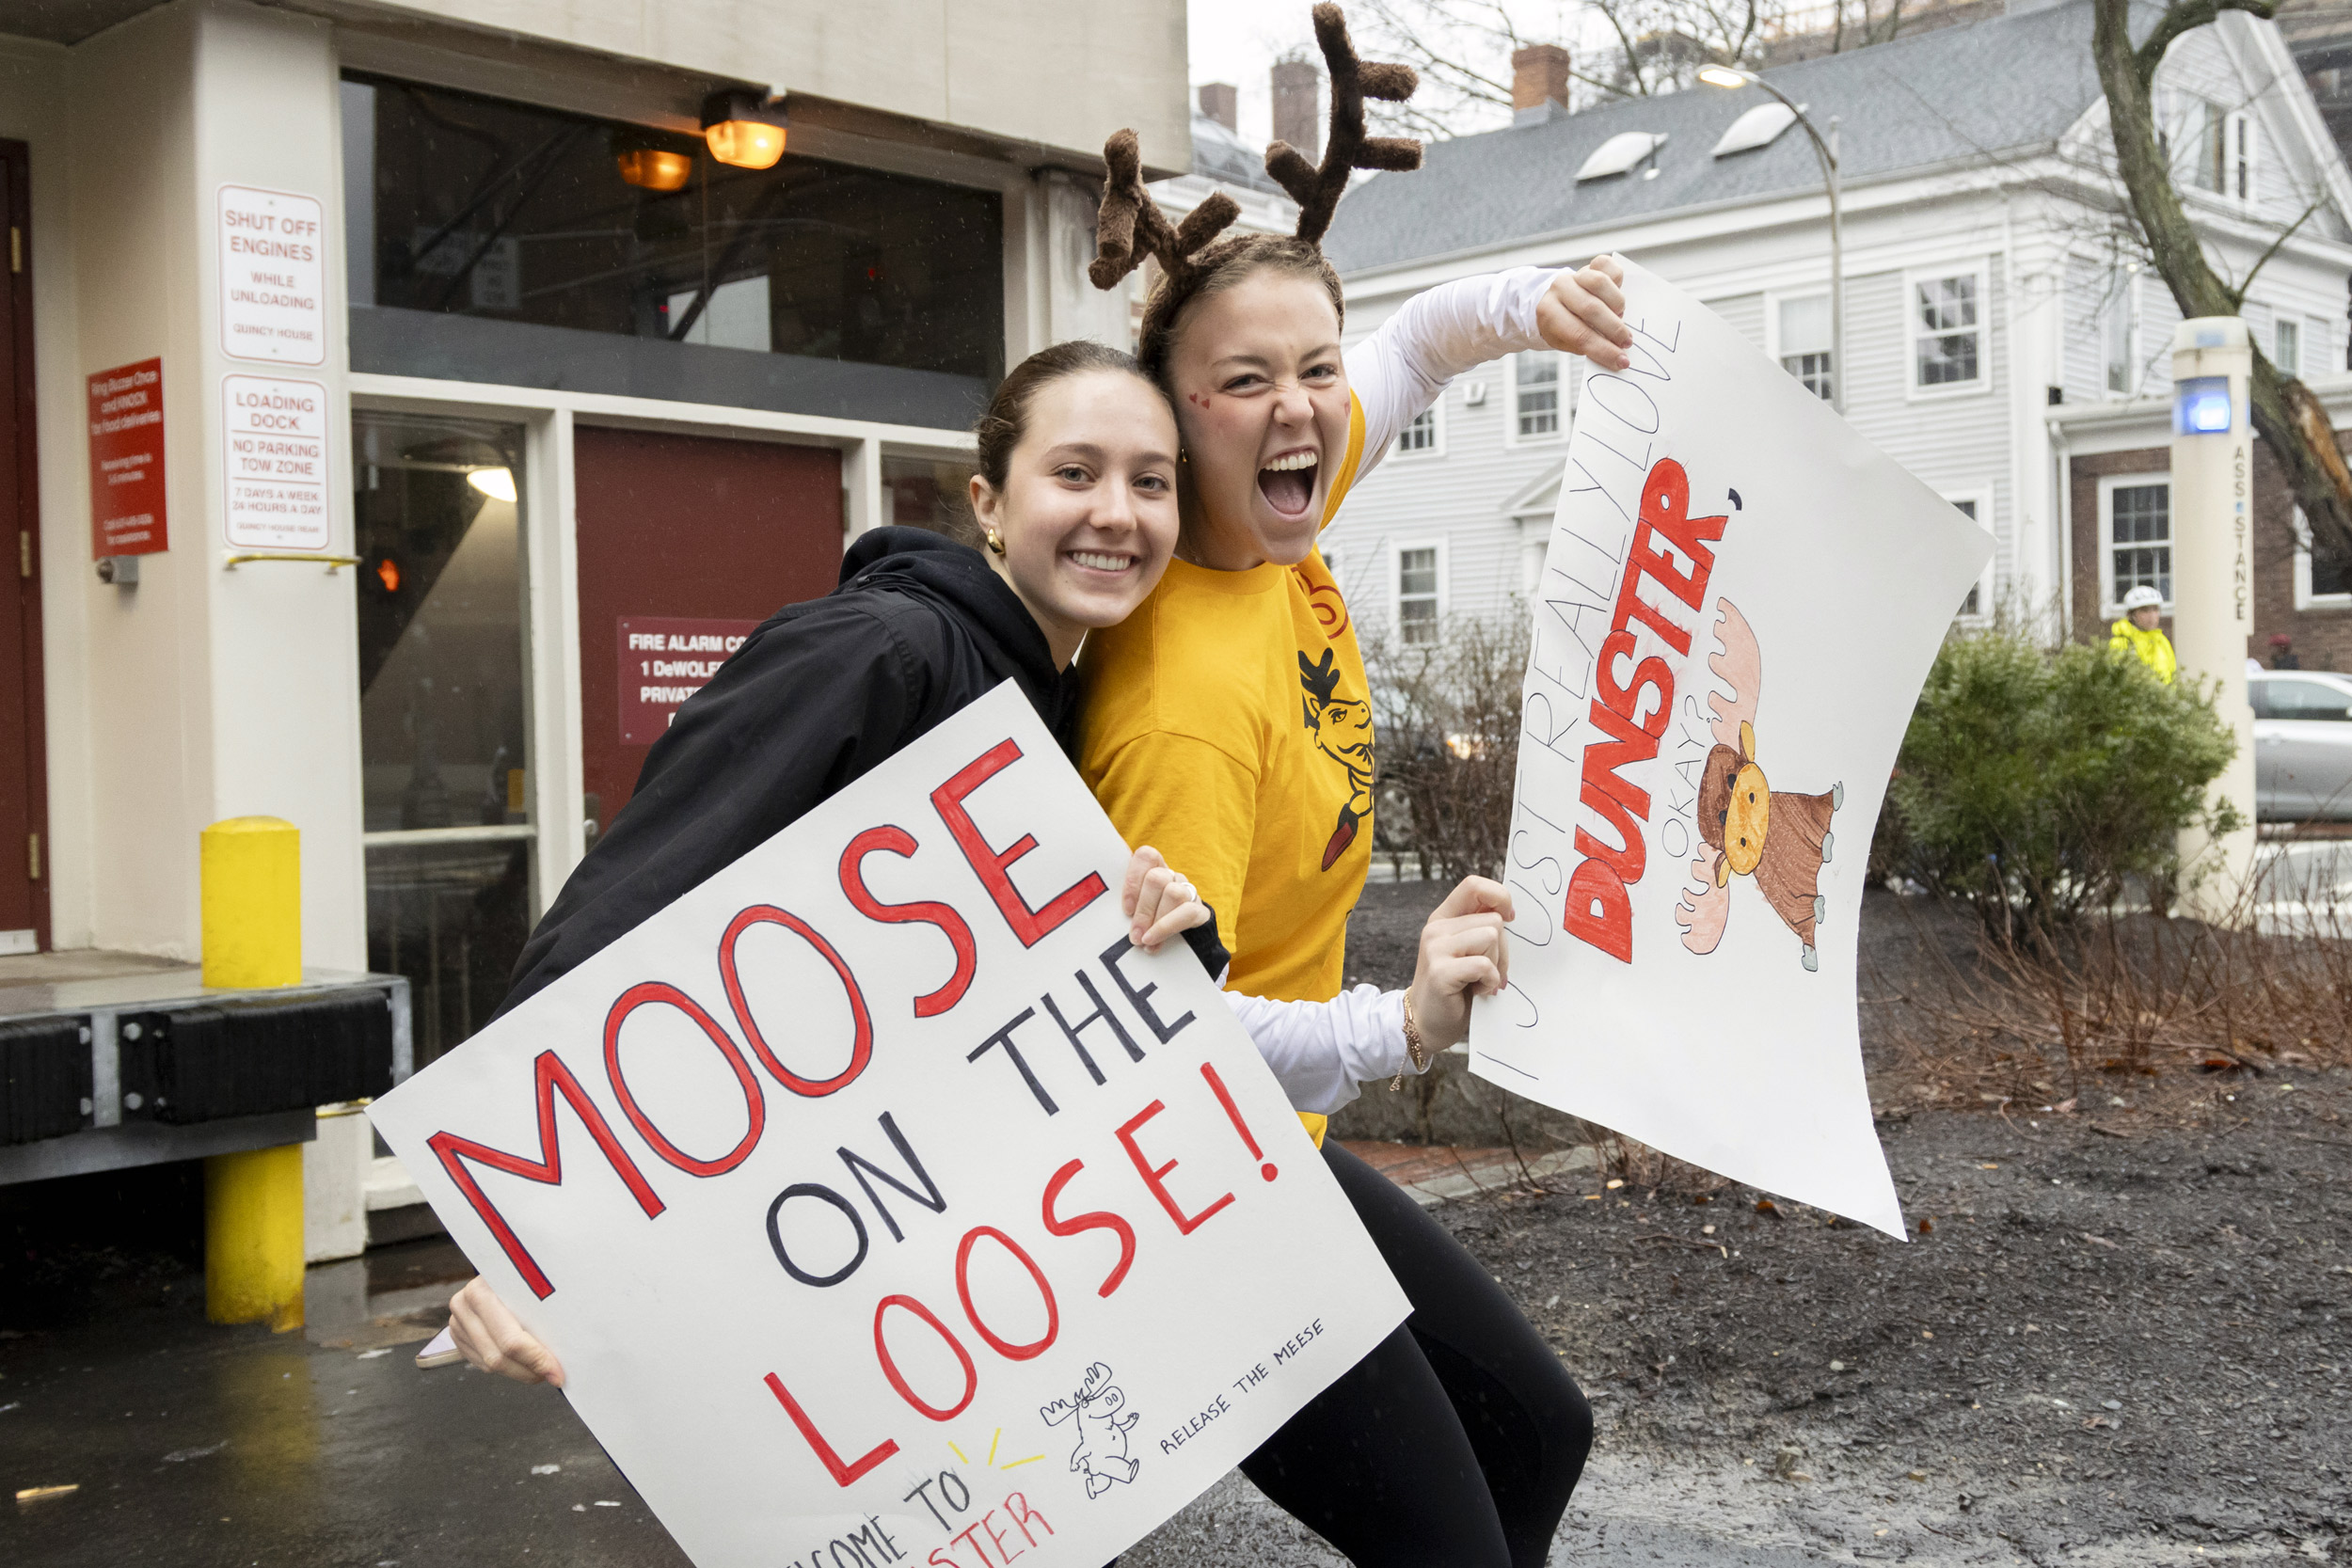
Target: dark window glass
444,766
497,210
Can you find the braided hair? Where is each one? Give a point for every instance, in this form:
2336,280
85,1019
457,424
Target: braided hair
1193,261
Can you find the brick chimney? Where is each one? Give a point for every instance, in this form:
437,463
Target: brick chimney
1539,77
1222,103
1298,107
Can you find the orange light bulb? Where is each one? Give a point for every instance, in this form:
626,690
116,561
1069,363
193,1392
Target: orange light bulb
746,143
387,572
655,168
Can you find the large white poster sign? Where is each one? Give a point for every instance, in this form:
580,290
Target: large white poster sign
885,1206
1740,601
273,275
275,432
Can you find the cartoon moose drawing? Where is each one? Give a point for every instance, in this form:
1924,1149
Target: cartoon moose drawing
1750,829
1094,1411
1342,727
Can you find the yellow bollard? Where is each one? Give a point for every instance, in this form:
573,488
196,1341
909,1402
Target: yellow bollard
252,871
252,907
253,1236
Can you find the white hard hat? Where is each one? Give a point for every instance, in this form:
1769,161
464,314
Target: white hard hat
2142,597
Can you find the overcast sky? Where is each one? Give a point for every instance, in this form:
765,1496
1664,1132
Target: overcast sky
1237,41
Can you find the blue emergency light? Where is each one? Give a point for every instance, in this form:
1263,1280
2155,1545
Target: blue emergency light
2200,407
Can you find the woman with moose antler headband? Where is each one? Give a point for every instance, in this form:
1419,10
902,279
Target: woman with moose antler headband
1226,722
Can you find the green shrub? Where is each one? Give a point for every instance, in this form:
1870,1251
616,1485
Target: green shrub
2032,785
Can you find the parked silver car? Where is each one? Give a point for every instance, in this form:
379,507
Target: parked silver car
2302,744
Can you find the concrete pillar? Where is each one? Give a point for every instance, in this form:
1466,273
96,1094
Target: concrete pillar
213,691
2213,608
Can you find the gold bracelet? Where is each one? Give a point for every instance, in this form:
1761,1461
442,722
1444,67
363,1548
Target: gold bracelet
1413,1047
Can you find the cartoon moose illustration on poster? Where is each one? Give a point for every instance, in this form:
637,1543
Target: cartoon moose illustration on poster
1093,1411
1778,839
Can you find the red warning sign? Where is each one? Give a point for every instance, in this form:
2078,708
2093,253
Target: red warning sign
664,661
126,461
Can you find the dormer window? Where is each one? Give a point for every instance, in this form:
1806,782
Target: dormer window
1620,153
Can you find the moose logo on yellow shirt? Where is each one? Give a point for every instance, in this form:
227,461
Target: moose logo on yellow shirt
1343,730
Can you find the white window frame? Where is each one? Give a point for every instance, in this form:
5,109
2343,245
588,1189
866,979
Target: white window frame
1435,449
1980,496
2286,321
1511,437
2110,606
1773,302
2125,298
1979,268
1396,581
2304,597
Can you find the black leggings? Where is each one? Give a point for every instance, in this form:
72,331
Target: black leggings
1456,1442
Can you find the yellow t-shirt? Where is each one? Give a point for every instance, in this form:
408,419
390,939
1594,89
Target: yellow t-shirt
1226,724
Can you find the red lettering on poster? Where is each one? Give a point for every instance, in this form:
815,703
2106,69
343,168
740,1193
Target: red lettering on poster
898,841
1155,1177
862,1042
551,1079
1003,1347
754,1105
1094,1219
843,1475
1031,926
126,461
898,1380
1600,911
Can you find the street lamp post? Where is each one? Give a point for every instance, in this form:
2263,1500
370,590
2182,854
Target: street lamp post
1826,150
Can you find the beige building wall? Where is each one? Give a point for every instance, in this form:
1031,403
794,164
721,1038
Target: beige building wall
1058,75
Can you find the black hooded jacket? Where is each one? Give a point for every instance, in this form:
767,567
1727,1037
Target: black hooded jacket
816,697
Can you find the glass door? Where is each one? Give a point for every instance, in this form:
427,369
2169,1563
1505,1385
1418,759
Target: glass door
444,725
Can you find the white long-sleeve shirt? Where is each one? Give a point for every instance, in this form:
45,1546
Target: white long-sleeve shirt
1433,336
1320,1051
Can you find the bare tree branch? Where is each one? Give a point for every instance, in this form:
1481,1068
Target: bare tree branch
2286,413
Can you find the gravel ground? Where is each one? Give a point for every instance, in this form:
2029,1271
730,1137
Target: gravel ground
2120,1340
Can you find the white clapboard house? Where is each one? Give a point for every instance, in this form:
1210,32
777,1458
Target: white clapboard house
1987,302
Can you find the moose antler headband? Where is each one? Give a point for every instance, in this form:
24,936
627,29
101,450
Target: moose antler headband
1133,228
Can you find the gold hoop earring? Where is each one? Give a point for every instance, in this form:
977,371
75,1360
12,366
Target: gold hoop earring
995,542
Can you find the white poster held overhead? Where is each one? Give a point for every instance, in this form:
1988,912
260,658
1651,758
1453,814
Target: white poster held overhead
884,1206
1740,602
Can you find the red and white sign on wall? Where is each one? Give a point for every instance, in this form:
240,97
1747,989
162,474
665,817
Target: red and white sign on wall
664,661
276,462
885,1206
273,277
126,461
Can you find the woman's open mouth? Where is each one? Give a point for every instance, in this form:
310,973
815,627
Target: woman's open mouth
1101,561
1288,483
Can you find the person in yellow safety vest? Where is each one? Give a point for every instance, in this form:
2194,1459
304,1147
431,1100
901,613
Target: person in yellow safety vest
2139,633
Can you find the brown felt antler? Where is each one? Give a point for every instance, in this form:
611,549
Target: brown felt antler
1131,225
1317,191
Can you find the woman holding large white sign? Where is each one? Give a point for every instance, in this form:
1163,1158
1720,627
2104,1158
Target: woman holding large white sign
1076,495
1228,722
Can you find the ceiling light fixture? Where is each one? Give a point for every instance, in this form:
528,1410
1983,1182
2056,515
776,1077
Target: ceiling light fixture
744,129
652,161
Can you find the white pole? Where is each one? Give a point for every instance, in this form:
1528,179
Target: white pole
2213,609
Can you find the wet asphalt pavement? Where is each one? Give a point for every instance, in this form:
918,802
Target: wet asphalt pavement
217,1447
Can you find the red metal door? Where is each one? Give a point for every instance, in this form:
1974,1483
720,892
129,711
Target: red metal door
23,771
685,542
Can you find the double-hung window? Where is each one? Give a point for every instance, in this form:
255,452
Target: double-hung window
2118,331
1805,344
1416,595
1535,388
1948,331
1422,436
2137,514
2287,342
